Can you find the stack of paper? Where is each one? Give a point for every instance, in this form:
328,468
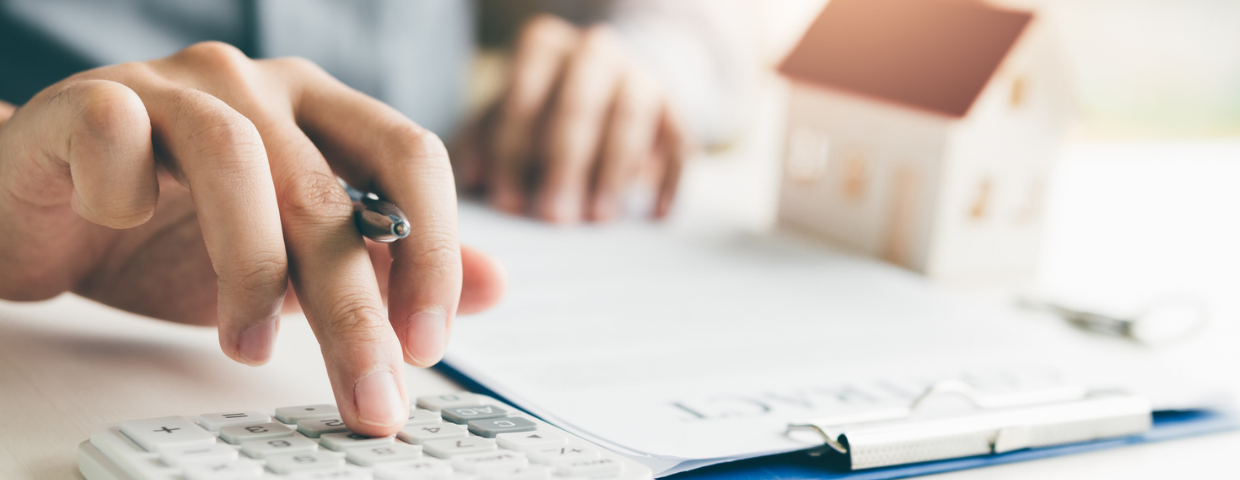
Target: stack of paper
686,347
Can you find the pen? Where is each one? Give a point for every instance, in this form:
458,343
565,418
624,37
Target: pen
377,219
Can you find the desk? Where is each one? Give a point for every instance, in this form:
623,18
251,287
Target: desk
1129,221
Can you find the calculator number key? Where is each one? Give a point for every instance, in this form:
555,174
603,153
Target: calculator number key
299,462
396,452
241,433
317,427
343,440
419,434
276,446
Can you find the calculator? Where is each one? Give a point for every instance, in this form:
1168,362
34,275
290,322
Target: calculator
457,436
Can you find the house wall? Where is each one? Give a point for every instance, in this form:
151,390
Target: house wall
862,172
997,170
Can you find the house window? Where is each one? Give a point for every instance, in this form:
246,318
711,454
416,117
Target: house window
808,152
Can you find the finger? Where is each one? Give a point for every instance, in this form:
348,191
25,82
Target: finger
93,140
674,149
542,47
589,84
630,141
377,149
219,154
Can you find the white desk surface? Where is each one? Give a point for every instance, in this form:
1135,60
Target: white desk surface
1129,222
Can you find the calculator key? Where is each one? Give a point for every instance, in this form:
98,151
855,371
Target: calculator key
300,462
214,453
241,433
293,415
496,460
313,428
590,467
240,469
215,421
343,440
461,446
462,415
528,472
418,434
276,446
526,441
418,416
167,432
396,452
341,473
494,426
440,402
571,452
426,467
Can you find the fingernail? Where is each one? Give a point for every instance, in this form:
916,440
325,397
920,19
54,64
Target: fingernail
378,399
257,342
427,335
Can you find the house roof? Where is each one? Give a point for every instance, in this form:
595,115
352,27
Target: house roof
932,54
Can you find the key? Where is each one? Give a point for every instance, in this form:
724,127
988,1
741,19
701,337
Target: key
461,415
300,462
215,421
240,433
342,473
590,467
313,428
214,453
491,427
497,460
436,403
240,469
405,470
570,452
275,446
293,415
396,452
418,416
419,434
344,440
526,441
528,472
460,446
167,432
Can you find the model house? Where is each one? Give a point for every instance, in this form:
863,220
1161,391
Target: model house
923,132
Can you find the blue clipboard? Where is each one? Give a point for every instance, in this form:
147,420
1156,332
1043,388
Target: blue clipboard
1167,425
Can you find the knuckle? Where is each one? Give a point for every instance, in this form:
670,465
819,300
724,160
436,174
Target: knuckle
214,53
259,272
436,250
356,317
314,195
299,66
106,108
413,146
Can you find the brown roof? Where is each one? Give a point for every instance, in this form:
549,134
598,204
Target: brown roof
932,54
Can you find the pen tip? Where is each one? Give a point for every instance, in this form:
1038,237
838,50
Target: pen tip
401,229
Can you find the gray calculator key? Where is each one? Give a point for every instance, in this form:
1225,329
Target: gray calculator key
240,433
240,469
418,434
344,440
460,446
396,452
493,426
300,462
277,446
167,432
426,467
292,415
440,402
215,421
313,428
418,416
462,415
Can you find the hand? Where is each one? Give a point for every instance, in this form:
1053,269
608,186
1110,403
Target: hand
578,124
193,188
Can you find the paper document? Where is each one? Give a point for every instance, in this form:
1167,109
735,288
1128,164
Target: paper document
684,347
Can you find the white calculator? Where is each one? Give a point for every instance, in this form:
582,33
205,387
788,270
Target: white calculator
449,437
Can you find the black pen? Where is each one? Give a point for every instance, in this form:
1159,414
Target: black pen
377,219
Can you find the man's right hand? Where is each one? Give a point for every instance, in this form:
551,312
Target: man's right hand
193,188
